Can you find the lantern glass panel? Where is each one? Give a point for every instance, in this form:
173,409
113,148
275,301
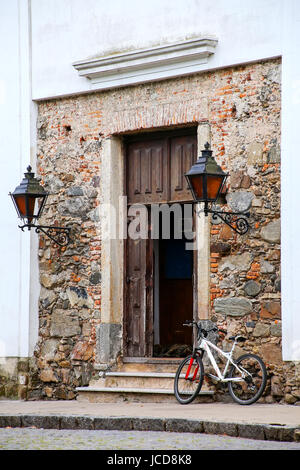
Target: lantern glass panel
197,186
25,205
29,206
214,184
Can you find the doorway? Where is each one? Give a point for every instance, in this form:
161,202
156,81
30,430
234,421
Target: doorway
160,272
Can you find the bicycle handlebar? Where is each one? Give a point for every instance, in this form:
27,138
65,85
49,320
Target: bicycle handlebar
202,330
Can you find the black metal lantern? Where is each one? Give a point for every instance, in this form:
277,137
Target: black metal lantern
29,199
206,180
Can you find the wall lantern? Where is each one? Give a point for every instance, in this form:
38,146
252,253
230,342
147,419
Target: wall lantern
29,199
206,180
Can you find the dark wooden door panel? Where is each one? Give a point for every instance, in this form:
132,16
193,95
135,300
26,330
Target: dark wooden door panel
147,179
136,297
183,155
138,321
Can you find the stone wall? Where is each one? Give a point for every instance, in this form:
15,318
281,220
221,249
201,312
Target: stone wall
242,105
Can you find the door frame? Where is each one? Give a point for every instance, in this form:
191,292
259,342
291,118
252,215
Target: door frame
109,328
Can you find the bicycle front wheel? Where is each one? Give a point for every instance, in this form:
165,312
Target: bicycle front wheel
248,385
188,379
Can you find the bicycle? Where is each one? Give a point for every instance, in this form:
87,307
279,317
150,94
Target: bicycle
246,379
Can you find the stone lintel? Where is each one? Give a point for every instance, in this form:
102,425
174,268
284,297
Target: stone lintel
154,63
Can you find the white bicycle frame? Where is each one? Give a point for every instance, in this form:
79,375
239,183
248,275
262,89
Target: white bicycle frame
205,344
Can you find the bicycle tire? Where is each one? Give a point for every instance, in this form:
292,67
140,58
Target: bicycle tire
187,388
252,388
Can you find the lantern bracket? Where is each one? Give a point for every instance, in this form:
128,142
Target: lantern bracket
237,221
59,235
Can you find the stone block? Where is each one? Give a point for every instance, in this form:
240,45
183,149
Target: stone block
184,425
230,429
64,324
220,247
240,201
276,386
251,431
266,267
77,207
48,375
261,330
83,351
10,421
240,262
115,423
276,329
252,288
148,424
79,297
109,341
274,154
271,310
68,422
271,353
77,422
48,349
233,306
41,422
255,154
271,232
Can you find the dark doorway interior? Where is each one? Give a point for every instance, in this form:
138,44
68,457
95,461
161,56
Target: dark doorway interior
173,297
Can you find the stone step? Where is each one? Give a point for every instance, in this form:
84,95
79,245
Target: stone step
144,395
135,385
138,380
150,365
149,380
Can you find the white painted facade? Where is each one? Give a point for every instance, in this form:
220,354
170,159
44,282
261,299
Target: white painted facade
41,40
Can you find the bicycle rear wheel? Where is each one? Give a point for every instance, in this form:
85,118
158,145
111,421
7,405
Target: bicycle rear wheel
251,388
188,379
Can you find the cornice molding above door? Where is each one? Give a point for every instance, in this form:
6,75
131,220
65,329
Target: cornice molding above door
155,63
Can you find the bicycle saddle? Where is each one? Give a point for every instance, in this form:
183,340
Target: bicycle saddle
238,338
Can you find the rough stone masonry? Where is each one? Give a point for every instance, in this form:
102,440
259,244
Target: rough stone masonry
242,105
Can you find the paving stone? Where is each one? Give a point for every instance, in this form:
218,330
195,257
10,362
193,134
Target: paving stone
183,425
10,421
45,422
148,424
251,431
115,423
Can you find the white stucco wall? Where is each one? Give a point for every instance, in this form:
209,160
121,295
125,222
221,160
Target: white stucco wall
37,59
18,316
66,31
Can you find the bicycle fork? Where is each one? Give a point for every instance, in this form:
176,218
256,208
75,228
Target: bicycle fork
187,375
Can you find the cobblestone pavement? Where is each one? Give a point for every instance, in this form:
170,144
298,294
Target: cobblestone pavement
42,439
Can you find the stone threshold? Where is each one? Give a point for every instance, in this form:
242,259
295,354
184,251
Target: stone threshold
153,360
168,375
157,391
